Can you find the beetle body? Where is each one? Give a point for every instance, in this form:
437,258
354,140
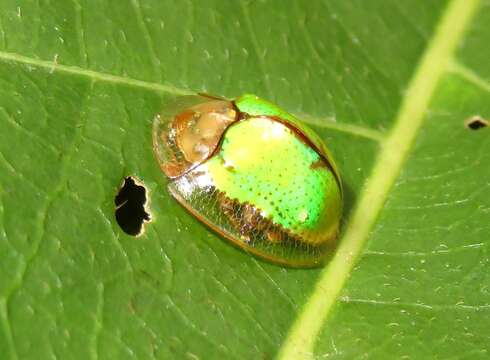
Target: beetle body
254,174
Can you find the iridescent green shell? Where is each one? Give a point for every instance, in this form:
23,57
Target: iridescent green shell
253,173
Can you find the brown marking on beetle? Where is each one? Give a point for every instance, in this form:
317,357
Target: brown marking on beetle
247,219
194,134
318,164
274,236
227,165
280,235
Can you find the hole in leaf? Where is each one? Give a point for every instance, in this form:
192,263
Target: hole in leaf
476,123
131,206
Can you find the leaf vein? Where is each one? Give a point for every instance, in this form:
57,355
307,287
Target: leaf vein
76,70
57,188
300,342
198,331
361,131
255,44
80,33
98,321
170,89
245,309
146,34
424,254
469,75
437,307
7,328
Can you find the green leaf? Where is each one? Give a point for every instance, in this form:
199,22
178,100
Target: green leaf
387,84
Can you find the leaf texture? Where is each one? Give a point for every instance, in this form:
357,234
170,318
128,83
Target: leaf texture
80,82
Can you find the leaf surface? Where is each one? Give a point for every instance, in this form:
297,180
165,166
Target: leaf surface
80,82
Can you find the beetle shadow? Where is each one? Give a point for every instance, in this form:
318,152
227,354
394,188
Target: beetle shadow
350,198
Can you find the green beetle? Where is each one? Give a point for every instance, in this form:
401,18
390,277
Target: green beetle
253,173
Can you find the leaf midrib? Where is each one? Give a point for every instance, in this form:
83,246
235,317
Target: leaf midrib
301,340
329,123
